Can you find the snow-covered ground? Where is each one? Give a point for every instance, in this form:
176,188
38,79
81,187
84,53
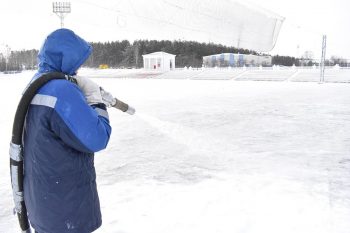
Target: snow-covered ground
205,156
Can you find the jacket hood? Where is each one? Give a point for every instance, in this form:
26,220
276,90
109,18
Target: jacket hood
63,51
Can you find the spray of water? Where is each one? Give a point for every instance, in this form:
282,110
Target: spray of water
197,142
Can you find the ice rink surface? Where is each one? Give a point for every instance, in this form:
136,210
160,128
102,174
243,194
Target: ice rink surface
205,156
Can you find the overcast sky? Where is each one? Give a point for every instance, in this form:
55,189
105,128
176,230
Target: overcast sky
25,23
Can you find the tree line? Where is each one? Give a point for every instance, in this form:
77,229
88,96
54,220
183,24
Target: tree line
123,54
19,60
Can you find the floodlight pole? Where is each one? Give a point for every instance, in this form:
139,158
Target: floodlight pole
323,58
61,9
7,56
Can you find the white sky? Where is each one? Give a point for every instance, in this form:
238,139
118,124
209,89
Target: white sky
25,23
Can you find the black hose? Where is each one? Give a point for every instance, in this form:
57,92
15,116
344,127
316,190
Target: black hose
16,159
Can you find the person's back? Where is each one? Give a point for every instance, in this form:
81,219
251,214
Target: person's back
63,129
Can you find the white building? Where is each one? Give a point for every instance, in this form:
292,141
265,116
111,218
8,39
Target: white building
159,61
236,60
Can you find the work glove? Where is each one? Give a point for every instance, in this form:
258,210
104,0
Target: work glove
90,89
107,98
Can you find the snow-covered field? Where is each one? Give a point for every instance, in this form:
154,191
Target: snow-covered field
204,156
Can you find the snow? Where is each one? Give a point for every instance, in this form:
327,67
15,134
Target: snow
204,156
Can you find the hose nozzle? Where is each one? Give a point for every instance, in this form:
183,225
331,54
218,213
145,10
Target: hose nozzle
123,107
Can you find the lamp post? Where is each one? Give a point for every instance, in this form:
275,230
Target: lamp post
7,56
61,9
323,58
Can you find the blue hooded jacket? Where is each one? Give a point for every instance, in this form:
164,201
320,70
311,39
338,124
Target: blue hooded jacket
61,134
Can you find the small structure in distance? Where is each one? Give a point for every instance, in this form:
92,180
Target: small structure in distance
159,61
236,60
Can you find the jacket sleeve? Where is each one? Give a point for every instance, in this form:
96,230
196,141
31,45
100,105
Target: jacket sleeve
81,126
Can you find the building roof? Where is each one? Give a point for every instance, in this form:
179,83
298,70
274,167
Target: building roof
158,54
236,54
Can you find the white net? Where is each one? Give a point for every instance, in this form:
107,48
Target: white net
228,22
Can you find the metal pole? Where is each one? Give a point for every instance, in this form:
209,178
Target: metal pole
7,56
62,19
323,58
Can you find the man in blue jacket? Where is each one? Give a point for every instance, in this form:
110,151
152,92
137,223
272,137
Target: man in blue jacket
65,124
